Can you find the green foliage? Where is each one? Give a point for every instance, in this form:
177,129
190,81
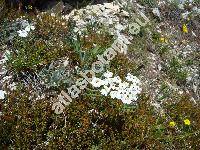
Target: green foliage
32,52
176,71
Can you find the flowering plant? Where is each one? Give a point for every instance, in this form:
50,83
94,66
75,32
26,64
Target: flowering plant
116,88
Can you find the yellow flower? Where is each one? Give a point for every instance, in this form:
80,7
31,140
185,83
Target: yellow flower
172,124
187,122
185,29
162,39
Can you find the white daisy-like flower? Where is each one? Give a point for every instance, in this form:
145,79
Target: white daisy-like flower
106,81
116,79
133,97
104,92
118,95
2,94
123,85
107,88
132,79
22,33
129,77
125,99
96,82
108,74
113,94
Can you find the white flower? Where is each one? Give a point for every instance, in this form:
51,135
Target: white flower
113,94
117,89
32,27
134,89
156,12
113,87
132,96
132,79
108,74
104,92
109,83
106,81
96,82
116,94
66,62
119,95
125,99
28,28
2,94
107,88
116,79
22,33
123,85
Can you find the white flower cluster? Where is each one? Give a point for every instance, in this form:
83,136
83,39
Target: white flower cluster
113,16
117,89
107,14
26,29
